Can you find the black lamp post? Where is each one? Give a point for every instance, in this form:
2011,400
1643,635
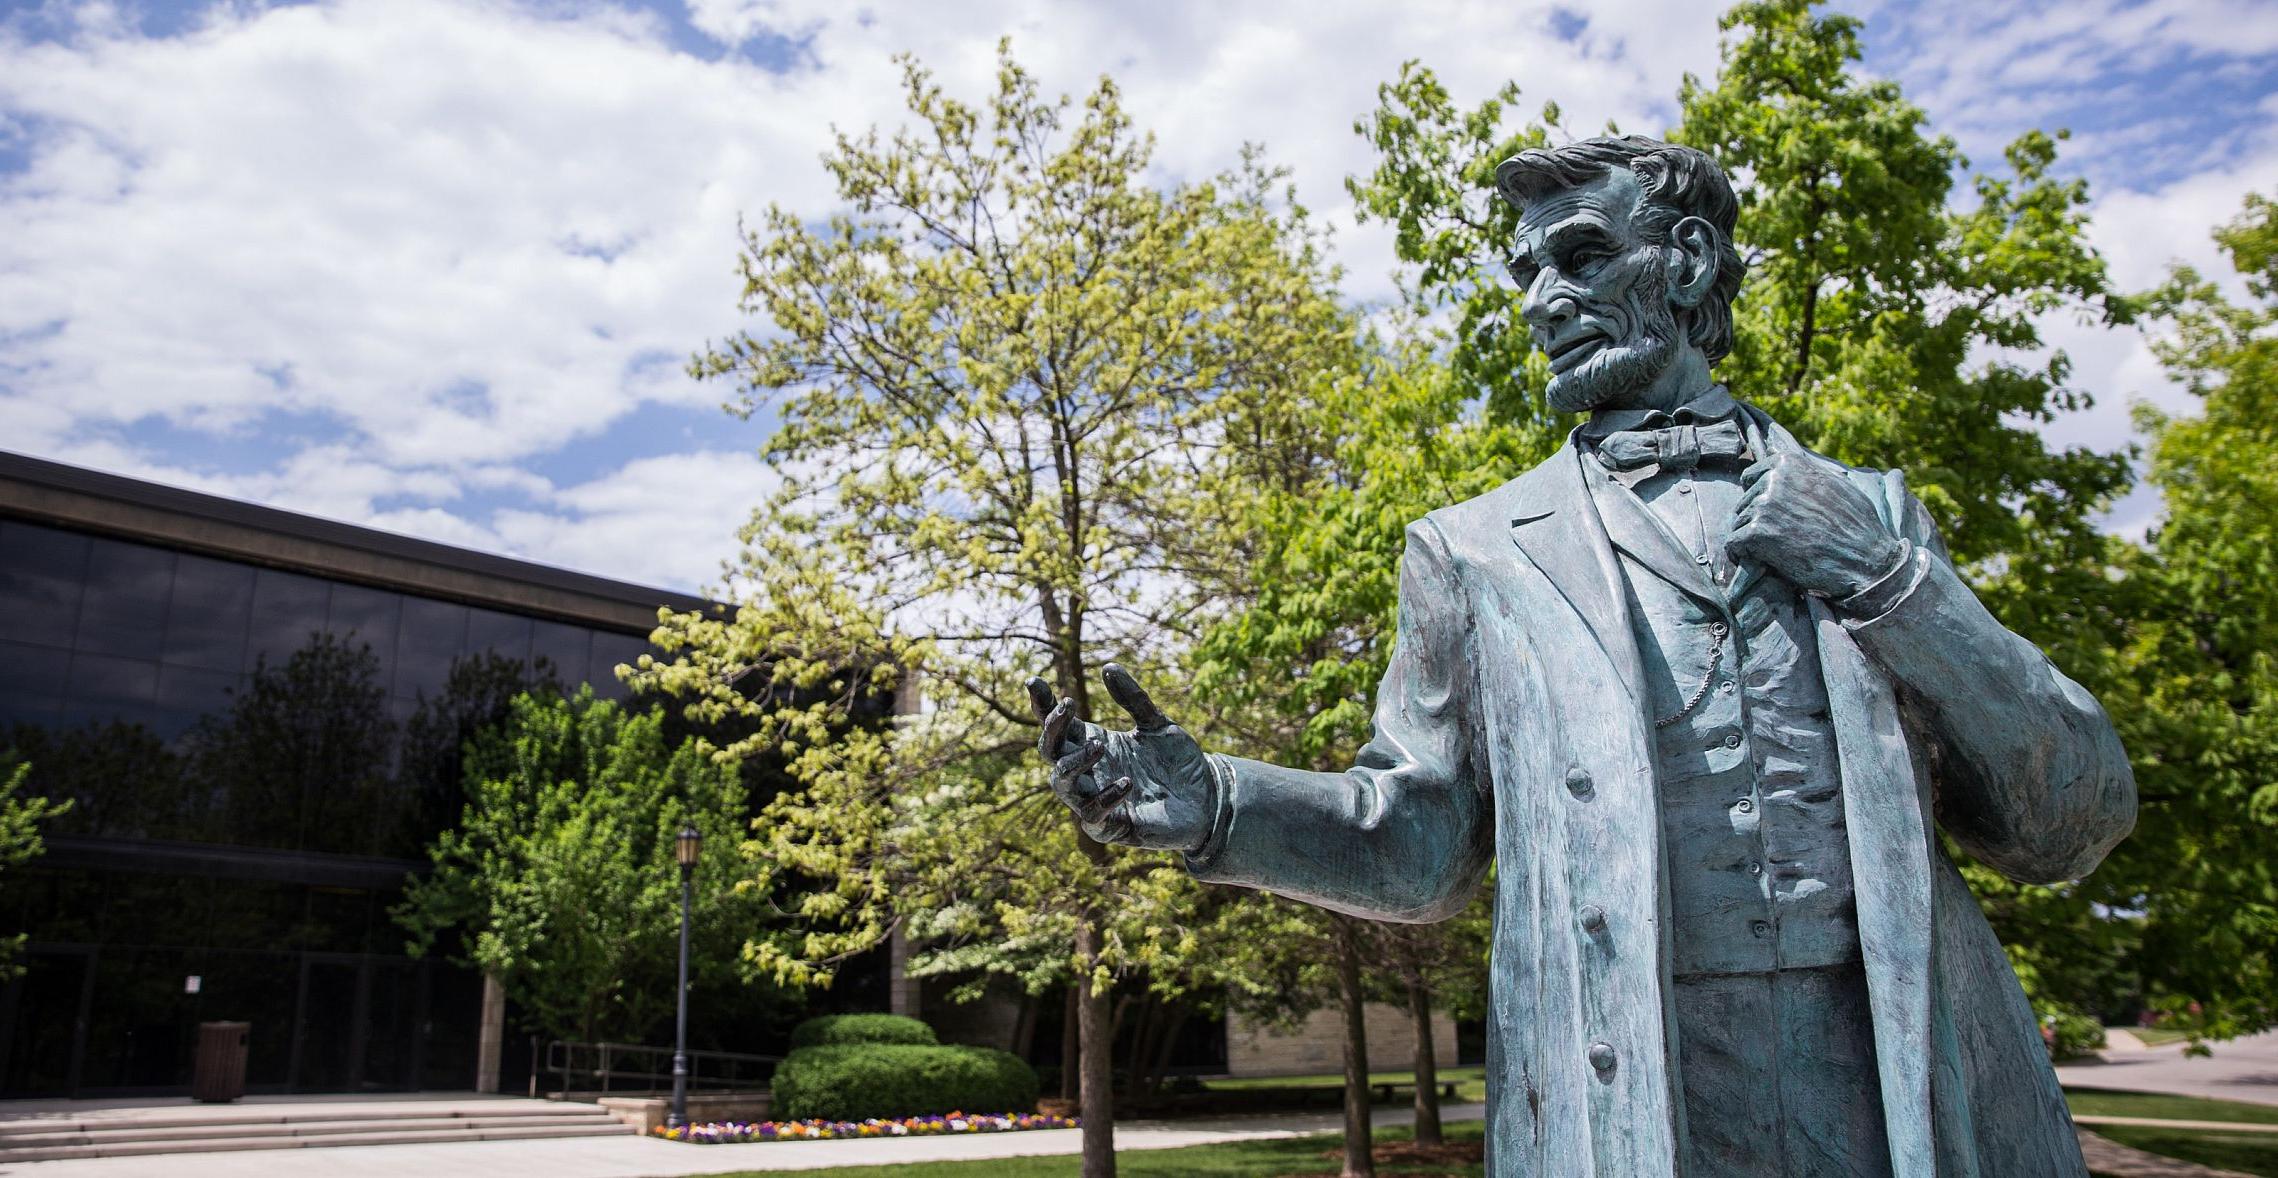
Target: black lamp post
685,848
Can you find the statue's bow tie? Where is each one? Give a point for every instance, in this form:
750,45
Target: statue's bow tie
1679,447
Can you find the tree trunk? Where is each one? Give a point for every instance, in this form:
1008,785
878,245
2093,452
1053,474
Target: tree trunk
1096,1093
1165,1043
1427,1062
490,1041
1148,1017
1071,1038
1024,1026
1360,1135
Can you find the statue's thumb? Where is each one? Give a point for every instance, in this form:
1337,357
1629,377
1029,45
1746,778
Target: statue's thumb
1133,698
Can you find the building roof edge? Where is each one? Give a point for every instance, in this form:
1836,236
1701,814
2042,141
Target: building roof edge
53,492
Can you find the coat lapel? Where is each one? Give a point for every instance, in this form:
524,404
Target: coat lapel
1633,528
1556,525
1888,815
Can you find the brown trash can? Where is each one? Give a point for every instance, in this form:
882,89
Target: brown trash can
219,1075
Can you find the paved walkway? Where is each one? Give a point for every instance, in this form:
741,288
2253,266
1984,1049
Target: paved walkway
2242,1069
129,1110
639,1157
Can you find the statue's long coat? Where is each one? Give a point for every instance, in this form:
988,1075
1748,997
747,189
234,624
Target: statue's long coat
1510,726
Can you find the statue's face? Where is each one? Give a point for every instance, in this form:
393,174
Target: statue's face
1597,297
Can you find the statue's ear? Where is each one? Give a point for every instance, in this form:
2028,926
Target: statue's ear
1692,261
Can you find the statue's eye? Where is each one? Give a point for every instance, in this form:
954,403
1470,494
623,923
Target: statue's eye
1589,257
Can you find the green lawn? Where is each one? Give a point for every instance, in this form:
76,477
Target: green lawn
1471,1082
1247,1159
2097,1102
2247,1153
2153,1036
2250,1154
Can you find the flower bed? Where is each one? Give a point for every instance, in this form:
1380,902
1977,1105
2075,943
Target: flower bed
734,1132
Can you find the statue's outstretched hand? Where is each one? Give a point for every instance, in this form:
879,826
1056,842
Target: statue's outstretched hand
1150,787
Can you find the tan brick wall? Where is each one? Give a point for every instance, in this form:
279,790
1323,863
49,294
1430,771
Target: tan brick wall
1317,1046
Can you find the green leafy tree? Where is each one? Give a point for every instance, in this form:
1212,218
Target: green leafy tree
478,693
1293,679
20,843
1870,301
2195,682
1870,295
1012,383
560,879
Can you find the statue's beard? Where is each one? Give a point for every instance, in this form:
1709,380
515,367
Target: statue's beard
1643,330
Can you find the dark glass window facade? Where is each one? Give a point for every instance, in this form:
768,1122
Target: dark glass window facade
246,750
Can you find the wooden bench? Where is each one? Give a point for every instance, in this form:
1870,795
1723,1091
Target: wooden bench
1386,1091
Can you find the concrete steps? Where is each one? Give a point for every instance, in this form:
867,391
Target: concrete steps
304,1126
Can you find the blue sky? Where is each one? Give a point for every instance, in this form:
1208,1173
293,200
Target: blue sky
434,265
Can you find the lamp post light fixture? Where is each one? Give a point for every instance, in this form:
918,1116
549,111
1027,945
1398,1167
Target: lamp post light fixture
685,848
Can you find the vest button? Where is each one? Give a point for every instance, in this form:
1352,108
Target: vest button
1593,918
1602,1056
1578,782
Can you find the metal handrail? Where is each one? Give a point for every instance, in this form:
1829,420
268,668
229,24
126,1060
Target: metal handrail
613,1065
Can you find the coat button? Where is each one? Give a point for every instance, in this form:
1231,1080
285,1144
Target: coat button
1745,805
1732,741
1602,1056
1578,782
1593,918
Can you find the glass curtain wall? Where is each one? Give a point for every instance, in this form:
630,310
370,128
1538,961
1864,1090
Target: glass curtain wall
184,701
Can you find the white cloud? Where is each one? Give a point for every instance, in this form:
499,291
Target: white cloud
466,234
396,204
2142,235
668,520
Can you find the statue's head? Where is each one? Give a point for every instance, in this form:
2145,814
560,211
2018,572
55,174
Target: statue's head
1625,252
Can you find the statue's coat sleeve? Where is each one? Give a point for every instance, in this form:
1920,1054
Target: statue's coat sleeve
1404,834
2031,778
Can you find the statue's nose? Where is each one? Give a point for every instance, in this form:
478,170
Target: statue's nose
1548,303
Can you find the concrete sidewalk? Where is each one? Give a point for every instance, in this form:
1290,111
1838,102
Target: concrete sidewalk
2244,1069
640,1157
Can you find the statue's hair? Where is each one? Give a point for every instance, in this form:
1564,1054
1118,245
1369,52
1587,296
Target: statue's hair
1675,182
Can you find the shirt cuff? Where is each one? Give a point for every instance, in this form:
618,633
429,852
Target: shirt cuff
1885,594
1200,858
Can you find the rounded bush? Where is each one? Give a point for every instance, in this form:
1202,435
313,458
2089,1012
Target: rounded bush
857,1081
2070,1035
839,1030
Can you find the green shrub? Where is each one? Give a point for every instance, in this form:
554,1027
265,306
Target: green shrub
2070,1035
839,1030
854,1081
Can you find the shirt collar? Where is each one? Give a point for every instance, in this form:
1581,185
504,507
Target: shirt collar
1713,405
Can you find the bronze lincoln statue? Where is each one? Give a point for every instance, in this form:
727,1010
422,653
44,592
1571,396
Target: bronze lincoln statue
1705,698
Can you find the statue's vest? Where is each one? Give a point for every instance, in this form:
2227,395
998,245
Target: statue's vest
1750,779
